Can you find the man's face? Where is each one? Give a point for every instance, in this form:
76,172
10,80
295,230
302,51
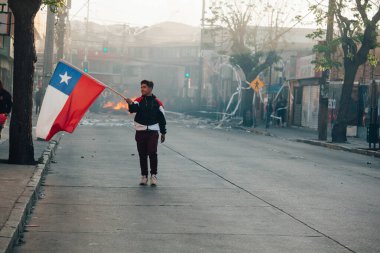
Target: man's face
145,89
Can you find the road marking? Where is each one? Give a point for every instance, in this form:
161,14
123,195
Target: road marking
260,198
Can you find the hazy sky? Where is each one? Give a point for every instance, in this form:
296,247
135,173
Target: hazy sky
139,12
148,12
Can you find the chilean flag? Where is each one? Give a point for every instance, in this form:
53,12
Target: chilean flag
68,96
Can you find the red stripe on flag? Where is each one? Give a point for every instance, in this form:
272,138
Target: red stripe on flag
83,95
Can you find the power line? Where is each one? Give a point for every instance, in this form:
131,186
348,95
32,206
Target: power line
81,8
299,21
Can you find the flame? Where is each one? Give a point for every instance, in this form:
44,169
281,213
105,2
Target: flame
117,105
121,105
109,104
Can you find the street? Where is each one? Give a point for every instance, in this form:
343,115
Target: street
265,115
219,190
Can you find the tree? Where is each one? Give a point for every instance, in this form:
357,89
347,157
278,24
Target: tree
252,53
357,22
21,150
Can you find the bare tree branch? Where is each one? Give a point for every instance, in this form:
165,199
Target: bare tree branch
376,17
370,38
362,10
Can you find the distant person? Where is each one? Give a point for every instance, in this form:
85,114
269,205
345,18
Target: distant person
149,121
269,111
281,110
5,105
38,100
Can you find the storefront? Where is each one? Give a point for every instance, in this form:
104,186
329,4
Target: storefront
305,88
305,103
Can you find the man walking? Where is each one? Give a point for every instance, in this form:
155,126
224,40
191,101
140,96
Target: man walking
149,121
269,111
38,99
5,105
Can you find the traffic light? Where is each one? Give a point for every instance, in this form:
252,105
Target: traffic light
187,72
105,47
85,66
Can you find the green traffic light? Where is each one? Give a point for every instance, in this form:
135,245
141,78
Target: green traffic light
105,49
187,75
85,66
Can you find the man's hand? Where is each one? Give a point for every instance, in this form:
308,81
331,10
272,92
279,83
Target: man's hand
162,138
129,101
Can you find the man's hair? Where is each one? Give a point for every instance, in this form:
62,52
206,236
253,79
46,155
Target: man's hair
150,84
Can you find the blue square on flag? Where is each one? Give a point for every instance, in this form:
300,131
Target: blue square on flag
65,78
68,96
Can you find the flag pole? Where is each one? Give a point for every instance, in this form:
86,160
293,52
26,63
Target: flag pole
84,73
116,92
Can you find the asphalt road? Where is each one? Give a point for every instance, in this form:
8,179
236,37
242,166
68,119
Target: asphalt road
219,191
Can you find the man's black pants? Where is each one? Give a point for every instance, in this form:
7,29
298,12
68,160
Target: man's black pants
147,142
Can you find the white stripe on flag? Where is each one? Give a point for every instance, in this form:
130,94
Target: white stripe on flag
53,103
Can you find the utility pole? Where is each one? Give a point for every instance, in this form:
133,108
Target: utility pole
123,58
87,24
373,128
324,80
270,84
85,63
62,15
49,49
201,74
68,35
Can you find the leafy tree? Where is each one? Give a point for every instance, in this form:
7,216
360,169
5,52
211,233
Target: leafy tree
357,23
251,52
21,150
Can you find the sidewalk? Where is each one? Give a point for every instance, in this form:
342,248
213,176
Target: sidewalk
310,136
293,133
19,186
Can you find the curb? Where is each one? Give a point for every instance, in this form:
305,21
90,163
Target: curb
315,143
338,147
14,227
255,131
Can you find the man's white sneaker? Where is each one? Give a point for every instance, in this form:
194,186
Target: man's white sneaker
144,180
153,180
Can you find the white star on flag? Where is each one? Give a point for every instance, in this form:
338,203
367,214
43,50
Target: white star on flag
65,78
